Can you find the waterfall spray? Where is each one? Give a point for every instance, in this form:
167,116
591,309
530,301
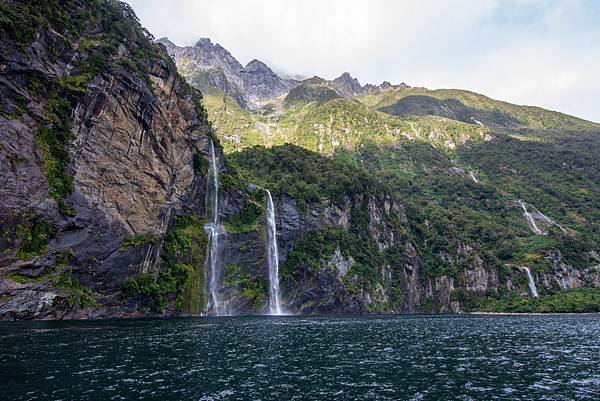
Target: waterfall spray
272,258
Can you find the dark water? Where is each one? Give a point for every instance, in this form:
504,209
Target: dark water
297,358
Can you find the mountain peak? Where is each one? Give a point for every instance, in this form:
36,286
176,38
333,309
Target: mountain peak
349,82
346,78
345,75
166,42
258,66
203,42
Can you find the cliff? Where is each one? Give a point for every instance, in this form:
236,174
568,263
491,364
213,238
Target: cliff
98,138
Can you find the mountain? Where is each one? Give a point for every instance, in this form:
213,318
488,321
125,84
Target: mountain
493,189
350,84
125,191
208,65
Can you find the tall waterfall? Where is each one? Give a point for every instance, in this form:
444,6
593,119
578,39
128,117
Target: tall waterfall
214,303
272,258
532,287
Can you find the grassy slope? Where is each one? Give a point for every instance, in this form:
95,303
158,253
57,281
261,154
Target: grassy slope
528,116
324,127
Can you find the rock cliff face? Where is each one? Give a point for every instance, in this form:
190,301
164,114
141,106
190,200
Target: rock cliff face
95,166
207,65
350,84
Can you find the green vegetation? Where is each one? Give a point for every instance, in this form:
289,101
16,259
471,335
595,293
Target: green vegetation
565,301
307,93
325,127
200,164
182,280
25,279
138,240
63,260
301,174
78,295
465,104
321,245
245,220
36,233
252,288
53,141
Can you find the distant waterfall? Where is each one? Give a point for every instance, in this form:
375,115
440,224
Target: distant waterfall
475,180
541,217
532,287
477,122
214,303
530,220
548,220
272,258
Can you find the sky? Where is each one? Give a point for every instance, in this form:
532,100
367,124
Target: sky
537,52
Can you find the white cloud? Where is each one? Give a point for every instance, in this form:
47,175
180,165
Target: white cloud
537,52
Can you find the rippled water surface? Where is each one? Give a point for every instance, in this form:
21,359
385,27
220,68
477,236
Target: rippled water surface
299,358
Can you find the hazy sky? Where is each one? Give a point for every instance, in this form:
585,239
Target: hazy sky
538,52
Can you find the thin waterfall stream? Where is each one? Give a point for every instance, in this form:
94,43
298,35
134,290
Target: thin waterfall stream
530,220
532,286
272,258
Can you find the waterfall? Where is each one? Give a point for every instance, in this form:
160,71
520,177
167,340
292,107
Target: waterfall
548,220
475,180
272,258
214,303
530,220
540,216
477,121
532,287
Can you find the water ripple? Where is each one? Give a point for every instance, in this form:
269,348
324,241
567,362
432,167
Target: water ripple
300,358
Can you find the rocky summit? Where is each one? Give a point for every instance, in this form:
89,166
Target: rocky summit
141,178
209,65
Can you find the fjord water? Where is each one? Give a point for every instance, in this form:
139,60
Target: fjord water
304,358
